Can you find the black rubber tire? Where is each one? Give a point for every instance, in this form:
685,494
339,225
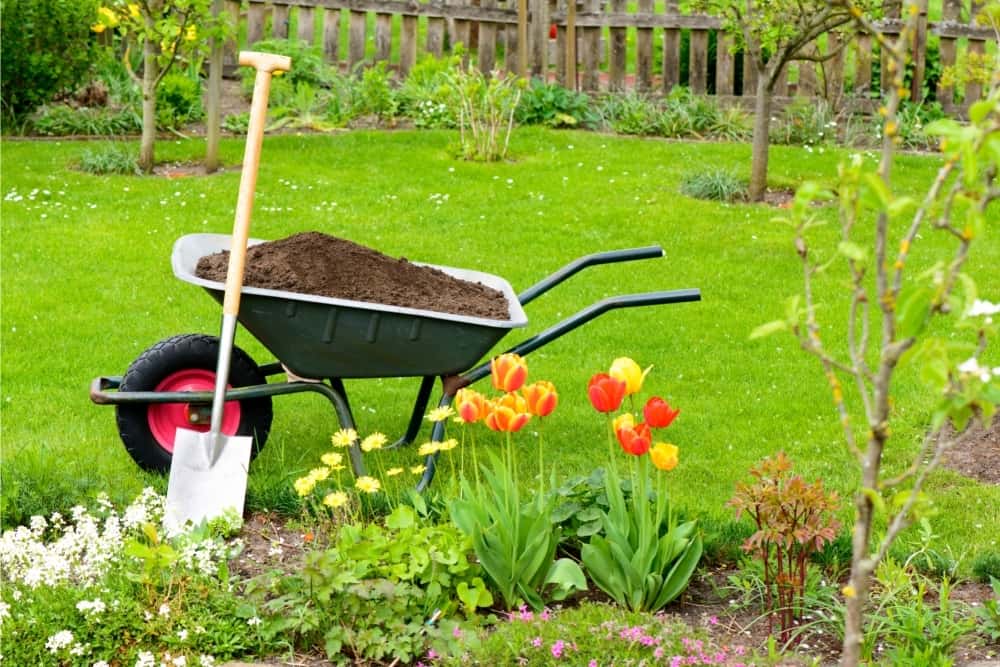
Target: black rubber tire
175,354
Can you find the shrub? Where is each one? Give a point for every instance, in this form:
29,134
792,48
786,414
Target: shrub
115,158
714,184
912,118
46,48
307,64
683,110
552,105
630,113
62,120
178,101
807,122
986,566
486,106
423,96
374,94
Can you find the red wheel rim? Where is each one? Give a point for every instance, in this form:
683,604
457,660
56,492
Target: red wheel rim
165,418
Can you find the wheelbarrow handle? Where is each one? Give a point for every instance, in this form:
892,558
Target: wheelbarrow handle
577,265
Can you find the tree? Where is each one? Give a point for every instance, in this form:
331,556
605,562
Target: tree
771,34
168,31
890,304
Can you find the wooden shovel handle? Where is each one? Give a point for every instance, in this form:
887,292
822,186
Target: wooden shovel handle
265,64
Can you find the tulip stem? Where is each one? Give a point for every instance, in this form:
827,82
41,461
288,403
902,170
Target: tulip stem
541,464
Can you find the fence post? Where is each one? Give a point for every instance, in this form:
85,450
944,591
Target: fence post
357,32
539,30
307,25
698,61
863,65
279,21
408,44
487,48
331,36
616,64
977,49
724,64
383,37
256,15
592,49
950,13
435,31
671,51
919,53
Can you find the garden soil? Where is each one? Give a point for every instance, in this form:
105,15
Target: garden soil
322,265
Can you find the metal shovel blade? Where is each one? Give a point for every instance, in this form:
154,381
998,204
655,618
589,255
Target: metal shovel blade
208,477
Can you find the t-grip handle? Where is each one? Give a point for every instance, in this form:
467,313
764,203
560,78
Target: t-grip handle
265,62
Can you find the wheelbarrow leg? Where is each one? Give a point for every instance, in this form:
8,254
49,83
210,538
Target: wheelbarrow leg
451,385
419,410
338,396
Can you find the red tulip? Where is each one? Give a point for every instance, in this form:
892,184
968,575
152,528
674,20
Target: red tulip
541,398
605,392
553,31
658,413
636,440
470,405
509,372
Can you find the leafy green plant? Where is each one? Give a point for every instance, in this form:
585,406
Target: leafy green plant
45,49
805,122
793,520
643,559
374,93
485,108
114,158
307,108
178,101
579,505
308,65
731,124
237,123
630,113
913,117
988,614
423,95
986,566
61,120
684,114
553,105
714,184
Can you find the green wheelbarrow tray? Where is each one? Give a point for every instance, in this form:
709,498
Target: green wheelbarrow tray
331,340
322,337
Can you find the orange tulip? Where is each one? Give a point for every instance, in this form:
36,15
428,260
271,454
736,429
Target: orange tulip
541,398
664,455
624,420
635,440
508,414
605,392
509,371
470,405
658,413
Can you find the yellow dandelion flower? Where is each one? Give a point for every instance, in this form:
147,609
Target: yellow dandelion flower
133,10
449,444
392,472
108,16
849,591
440,414
429,448
374,441
345,437
304,485
319,474
418,470
331,459
335,499
97,27
191,34
367,484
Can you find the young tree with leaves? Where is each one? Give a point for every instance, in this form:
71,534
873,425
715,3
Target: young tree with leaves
892,298
771,34
168,31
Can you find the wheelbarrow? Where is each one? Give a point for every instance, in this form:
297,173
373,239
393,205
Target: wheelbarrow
170,384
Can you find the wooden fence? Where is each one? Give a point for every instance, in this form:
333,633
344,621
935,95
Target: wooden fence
668,48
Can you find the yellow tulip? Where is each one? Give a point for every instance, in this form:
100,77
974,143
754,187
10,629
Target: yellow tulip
624,420
664,456
627,371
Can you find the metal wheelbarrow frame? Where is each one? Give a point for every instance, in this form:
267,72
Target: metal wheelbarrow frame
344,339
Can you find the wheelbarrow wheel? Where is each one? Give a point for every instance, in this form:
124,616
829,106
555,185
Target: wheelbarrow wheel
187,363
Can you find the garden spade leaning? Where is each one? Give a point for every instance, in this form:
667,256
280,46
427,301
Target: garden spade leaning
208,471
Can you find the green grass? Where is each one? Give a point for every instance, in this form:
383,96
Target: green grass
87,285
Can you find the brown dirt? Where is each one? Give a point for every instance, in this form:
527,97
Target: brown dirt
322,265
978,455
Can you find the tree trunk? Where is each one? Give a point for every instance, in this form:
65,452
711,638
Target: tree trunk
212,120
150,71
761,135
859,584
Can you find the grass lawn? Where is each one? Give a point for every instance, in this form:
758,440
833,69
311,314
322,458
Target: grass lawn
87,285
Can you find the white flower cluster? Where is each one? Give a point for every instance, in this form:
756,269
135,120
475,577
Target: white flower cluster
91,608
971,366
981,308
205,555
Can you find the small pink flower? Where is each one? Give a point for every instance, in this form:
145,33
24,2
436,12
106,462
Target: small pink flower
658,653
545,615
432,654
592,663
456,632
557,648
536,642
713,620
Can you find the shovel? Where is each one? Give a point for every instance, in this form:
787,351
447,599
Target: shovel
208,471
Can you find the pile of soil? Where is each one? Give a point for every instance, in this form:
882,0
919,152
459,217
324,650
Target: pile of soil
322,265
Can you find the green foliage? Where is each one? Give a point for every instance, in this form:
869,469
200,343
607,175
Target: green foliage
237,123
178,101
794,520
630,113
371,595
46,48
485,109
685,114
62,120
643,560
988,615
514,540
374,94
986,566
308,65
805,122
714,184
913,117
579,505
424,97
552,105
112,158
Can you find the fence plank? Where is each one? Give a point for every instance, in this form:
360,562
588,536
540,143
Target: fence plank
807,83
591,50
307,26
256,16
918,52
460,30
891,9
232,47
976,50
331,35
538,40
863,65
644,51
698,62
572,41
487,47
560,50
725,83
356,36
671,51
833,72
950,12
383,37
616,61
781,85
749,77
407,44
435,33
279,21
511,48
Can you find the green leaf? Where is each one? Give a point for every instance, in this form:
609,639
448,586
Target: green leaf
980,110
769,329
878,188
852,251
875,498
567,577
401,517
914,313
